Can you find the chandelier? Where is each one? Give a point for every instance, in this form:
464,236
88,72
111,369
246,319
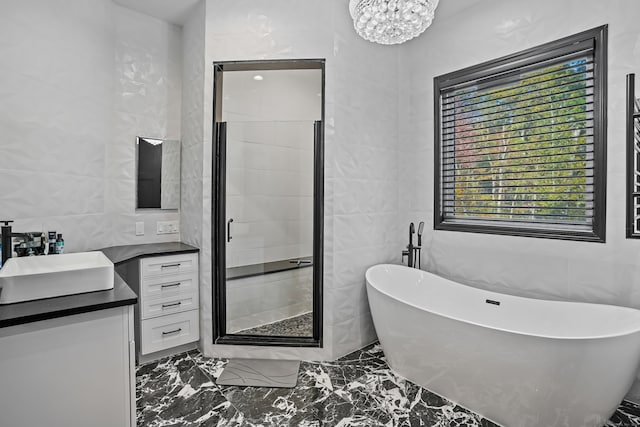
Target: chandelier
391,21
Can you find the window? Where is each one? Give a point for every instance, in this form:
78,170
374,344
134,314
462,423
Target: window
521,143
633,159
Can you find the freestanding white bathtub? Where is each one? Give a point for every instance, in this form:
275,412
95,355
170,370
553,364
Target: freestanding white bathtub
516,361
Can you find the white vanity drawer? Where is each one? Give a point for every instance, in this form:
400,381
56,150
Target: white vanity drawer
169,285
170,264
174,304
169,331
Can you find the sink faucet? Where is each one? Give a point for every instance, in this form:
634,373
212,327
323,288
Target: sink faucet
6,240
28,244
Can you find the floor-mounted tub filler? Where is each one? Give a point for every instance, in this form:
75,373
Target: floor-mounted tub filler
517,361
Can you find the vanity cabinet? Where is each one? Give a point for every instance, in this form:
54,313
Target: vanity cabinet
71,371
165,278
169,302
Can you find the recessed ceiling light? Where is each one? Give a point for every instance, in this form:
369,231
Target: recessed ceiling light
258,77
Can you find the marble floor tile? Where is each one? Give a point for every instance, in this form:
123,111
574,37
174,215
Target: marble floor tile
628,414
392,400
280,405
176,392
358,389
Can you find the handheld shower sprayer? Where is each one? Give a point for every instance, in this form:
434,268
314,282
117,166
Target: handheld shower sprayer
412,229
417,262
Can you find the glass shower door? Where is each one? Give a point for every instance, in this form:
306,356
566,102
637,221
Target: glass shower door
269,217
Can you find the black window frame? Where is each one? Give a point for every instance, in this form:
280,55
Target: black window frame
490,71
633,160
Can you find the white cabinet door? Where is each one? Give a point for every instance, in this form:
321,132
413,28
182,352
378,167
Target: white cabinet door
172,330
74,371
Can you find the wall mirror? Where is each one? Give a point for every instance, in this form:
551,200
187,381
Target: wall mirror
268,195
158,173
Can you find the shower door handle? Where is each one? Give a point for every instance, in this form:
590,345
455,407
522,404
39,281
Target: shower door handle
229,230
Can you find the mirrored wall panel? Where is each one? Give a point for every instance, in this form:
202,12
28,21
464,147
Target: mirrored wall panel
269,140
158,173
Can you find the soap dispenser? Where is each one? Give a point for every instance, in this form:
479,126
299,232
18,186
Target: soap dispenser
51,237
59,244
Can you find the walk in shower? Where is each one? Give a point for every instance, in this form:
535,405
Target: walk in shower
268,195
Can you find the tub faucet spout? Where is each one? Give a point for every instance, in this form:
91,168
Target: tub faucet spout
405,253
412,252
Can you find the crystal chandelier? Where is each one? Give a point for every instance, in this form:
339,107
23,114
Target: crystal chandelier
391,21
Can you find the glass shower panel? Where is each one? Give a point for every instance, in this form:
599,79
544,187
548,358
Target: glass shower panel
269,217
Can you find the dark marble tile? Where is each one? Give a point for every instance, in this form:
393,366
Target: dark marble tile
357,390
277,406
176,392
331,410
392,400
329,376
371,354
369,360
212,367
627,414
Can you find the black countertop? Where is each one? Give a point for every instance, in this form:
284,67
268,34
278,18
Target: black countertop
120,254
121,294
51,308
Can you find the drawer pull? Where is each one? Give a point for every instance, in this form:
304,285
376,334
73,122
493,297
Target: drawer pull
170,265
175,304
171,285
175,331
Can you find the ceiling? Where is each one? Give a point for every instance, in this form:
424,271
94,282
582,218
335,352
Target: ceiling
177,11
449,8
174,11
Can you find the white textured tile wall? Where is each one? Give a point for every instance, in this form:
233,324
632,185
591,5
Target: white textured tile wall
55,116
192,197
592,272
71,90
260,300
148,98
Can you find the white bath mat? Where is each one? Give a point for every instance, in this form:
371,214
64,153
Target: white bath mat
260,373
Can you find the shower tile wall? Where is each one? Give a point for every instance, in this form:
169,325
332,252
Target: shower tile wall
603,273
72,105
259,300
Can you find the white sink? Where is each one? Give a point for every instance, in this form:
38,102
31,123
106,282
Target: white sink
38,277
